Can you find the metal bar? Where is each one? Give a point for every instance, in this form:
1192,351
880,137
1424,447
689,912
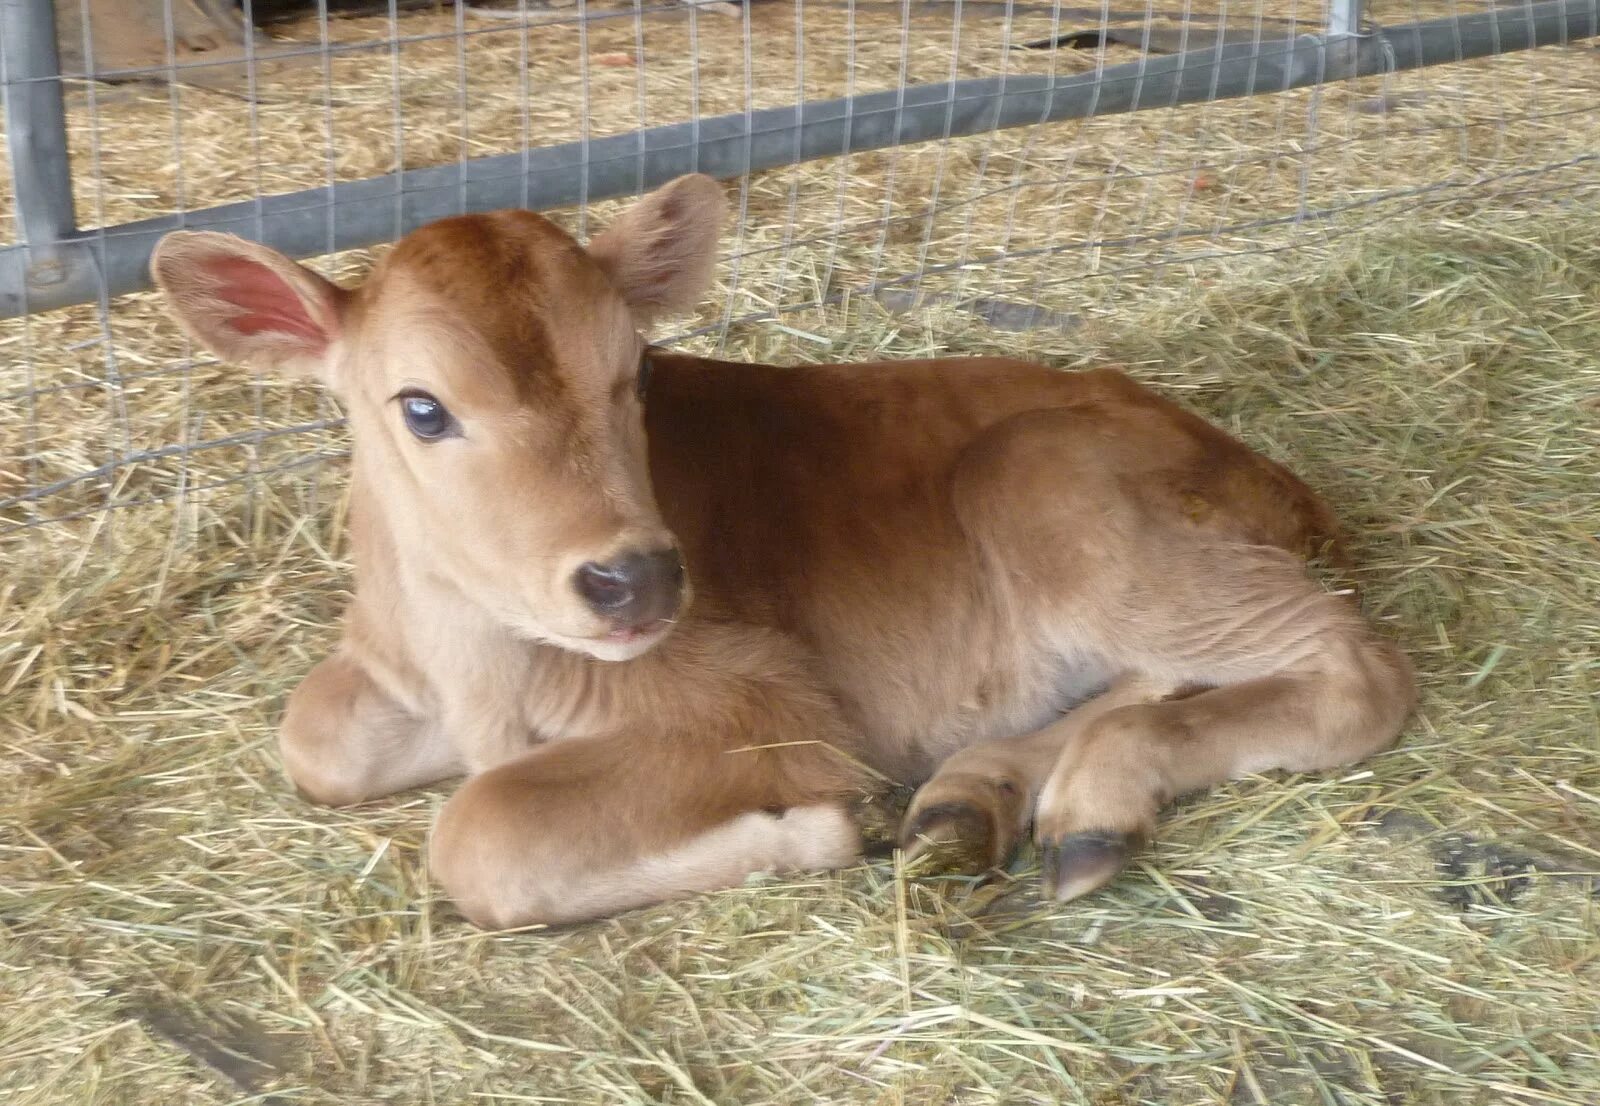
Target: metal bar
1344,17
365,212
36,141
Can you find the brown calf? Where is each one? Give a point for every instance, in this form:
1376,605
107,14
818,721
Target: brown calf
1050,598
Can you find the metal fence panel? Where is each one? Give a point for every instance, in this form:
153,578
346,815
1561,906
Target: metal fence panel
960,152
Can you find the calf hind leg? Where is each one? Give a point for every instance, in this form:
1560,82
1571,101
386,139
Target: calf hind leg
971,815
1296,681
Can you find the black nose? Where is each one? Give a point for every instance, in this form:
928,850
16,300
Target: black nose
634,589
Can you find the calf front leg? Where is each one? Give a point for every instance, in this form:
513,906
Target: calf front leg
582,829
343,740
971,815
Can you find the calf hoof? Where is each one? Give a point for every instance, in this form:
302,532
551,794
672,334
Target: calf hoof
878,816
956,837
1079,863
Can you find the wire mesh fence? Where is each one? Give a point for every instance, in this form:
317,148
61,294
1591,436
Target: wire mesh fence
960,163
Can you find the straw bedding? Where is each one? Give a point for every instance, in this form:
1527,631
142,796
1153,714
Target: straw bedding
176,926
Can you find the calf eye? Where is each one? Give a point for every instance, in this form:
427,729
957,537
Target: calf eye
425,416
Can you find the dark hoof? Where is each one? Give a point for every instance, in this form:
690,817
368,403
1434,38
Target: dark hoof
954,838
879,816
1083,862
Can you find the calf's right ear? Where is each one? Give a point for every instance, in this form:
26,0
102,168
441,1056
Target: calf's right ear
249,304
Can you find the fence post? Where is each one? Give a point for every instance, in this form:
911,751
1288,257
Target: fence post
1344,17
36,139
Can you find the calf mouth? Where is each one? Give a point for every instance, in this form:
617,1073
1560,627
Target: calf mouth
627,635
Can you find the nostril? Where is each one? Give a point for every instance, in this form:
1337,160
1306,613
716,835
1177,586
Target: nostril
634,588
605,587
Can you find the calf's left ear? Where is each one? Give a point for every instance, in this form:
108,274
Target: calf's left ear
661,252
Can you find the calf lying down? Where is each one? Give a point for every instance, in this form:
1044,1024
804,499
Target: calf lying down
669,615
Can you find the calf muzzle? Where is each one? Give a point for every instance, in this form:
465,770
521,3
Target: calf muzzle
635,589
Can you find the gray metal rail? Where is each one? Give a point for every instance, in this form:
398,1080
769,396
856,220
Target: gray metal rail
36,138
86,265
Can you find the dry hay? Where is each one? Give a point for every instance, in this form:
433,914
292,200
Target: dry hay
1074,218
1422,928
176,926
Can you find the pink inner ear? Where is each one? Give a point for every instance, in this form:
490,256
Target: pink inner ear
265,300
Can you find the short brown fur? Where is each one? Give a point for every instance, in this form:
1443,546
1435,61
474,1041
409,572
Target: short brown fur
1050,599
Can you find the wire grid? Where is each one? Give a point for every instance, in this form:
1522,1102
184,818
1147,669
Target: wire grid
1042,226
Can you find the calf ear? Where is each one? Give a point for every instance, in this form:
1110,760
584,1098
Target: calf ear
249,304
661,252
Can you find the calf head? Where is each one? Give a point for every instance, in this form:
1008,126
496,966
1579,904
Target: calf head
494,376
